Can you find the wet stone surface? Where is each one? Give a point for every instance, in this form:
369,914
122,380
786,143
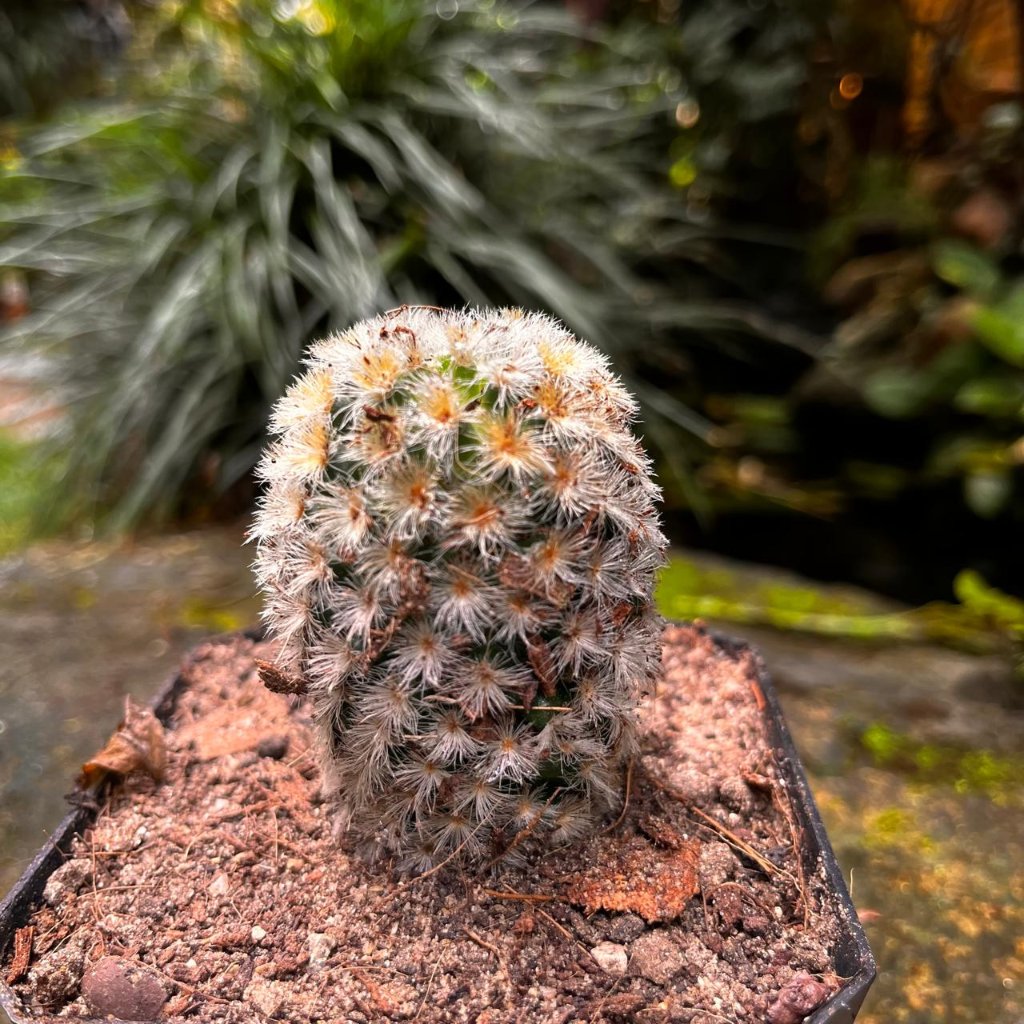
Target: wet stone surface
84,625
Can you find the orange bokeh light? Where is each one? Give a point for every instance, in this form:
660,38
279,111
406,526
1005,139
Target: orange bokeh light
851,85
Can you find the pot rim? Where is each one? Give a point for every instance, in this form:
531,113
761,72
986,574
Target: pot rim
854,960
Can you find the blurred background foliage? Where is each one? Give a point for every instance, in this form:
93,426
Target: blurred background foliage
52,50
795,226
263,172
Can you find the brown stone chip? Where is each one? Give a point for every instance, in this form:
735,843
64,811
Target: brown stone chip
280,682
799,997
123,988
54,979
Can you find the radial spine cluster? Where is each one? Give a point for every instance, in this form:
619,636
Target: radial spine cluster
457,546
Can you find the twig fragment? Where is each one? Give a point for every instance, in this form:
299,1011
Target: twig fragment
625,803
734,840
755,686
561,928
481,942
430,982
796,839
382,1002
525,897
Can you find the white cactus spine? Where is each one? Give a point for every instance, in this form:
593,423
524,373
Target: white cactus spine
458,545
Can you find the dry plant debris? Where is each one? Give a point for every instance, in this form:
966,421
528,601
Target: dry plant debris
630,874
223,890
136,745
22,955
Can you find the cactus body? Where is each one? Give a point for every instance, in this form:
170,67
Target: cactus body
457,546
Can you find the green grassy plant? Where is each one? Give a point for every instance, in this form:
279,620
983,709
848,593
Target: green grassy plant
270,171
27,475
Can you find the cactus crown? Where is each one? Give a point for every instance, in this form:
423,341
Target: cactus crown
457,546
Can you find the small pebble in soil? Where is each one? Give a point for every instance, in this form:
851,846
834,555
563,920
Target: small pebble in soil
735,793
656,957
696,955
122,988
622,1005
321,947
67,879
220,884
694,786
55,978
626,928
756,923
266,996
717,865
729,904
796,999
273,746
258,934
611,957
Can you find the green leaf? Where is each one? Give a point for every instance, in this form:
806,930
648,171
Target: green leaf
897,392
975,594
1003,334
987,491
992,396
966,267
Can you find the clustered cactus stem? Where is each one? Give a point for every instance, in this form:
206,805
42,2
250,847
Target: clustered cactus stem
457,546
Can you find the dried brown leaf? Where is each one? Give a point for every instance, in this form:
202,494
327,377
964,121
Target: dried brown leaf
137,745
279,682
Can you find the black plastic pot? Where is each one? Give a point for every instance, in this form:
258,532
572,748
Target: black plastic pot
853,958
18,904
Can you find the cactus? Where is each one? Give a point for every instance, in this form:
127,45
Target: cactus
457,547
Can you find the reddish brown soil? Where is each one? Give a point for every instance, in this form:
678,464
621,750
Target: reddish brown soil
225,884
